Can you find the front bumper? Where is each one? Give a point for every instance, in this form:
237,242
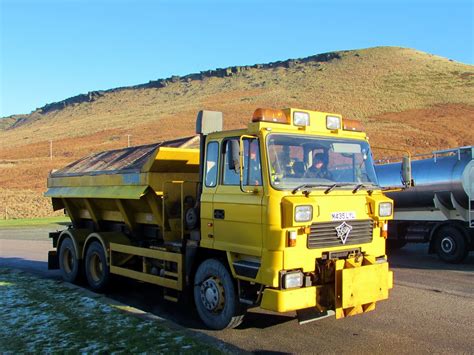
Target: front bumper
289,300
358,285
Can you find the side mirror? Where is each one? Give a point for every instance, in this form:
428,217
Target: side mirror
406,172
208,122
234,159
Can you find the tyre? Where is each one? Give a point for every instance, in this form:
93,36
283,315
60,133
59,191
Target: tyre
97,270
450,245
215,296
69,264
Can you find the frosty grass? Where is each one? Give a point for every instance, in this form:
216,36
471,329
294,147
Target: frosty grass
41,315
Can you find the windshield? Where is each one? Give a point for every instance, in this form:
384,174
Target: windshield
297,160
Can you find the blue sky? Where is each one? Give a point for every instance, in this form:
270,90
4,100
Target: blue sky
54,49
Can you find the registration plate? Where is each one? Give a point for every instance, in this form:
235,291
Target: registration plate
343,216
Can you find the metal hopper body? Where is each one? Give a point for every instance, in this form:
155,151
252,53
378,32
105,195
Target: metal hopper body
130,188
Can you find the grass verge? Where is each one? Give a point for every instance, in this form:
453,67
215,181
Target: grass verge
41,315
24,222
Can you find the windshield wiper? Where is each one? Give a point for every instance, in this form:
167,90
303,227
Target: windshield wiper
333,186
307,186
360,186
330,188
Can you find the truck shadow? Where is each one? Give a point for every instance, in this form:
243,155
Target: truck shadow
33,266
415,256
257,320
148,298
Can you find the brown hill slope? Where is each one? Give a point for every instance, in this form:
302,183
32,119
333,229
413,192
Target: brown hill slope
405,97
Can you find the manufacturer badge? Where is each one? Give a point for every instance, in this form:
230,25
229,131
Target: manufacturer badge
343,230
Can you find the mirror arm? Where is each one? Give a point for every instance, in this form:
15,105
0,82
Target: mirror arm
241,161
405,166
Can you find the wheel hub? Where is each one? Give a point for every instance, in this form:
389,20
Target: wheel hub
96,268
212,294
447,245
68,261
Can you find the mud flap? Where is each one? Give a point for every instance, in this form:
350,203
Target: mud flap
53,260
360,284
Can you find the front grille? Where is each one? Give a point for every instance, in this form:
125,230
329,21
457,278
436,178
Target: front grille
324,235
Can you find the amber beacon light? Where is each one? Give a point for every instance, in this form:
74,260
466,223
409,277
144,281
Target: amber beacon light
352,125
269,115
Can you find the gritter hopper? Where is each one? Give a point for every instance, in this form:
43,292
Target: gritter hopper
142,186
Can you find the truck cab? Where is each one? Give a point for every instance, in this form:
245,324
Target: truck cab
294,203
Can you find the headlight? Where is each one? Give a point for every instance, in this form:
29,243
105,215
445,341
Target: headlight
385,209
333,122
303,213
300,118
293,279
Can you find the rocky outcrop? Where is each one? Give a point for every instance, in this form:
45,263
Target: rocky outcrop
230,71
161,83
89,97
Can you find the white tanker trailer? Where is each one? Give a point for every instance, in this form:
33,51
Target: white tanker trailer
439,209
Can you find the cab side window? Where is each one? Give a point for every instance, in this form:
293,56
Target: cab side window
231,175
211,164
252,166
252,172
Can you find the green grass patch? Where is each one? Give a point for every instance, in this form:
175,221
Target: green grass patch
22,222
41,315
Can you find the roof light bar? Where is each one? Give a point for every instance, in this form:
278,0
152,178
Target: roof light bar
352,125
270,115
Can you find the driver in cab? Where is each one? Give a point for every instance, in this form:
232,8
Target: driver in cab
319,168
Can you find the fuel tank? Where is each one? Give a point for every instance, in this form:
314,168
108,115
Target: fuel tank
446,177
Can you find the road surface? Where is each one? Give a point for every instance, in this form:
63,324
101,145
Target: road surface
430,309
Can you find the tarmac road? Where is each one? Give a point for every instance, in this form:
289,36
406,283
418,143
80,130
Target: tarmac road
430,309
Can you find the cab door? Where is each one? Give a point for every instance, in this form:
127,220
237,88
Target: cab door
237,214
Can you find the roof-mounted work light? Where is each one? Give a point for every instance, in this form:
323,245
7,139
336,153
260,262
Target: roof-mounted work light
333,122
300,118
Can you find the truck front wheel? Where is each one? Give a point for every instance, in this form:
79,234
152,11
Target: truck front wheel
215,297
97,270
68,261
451,245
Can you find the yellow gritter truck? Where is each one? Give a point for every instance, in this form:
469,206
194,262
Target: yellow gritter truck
285,214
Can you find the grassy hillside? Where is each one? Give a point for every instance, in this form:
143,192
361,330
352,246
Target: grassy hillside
405,97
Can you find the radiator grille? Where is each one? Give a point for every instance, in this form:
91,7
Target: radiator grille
324,235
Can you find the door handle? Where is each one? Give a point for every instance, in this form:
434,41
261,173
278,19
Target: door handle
219,214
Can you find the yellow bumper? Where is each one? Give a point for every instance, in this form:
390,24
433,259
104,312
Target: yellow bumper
289,300
358,286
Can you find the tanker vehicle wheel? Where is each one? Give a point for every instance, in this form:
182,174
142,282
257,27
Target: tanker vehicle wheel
69,264
97,270
450,245
215,296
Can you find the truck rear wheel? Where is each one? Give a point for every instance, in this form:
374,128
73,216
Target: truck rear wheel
69,264
215,296
97,270
450,245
